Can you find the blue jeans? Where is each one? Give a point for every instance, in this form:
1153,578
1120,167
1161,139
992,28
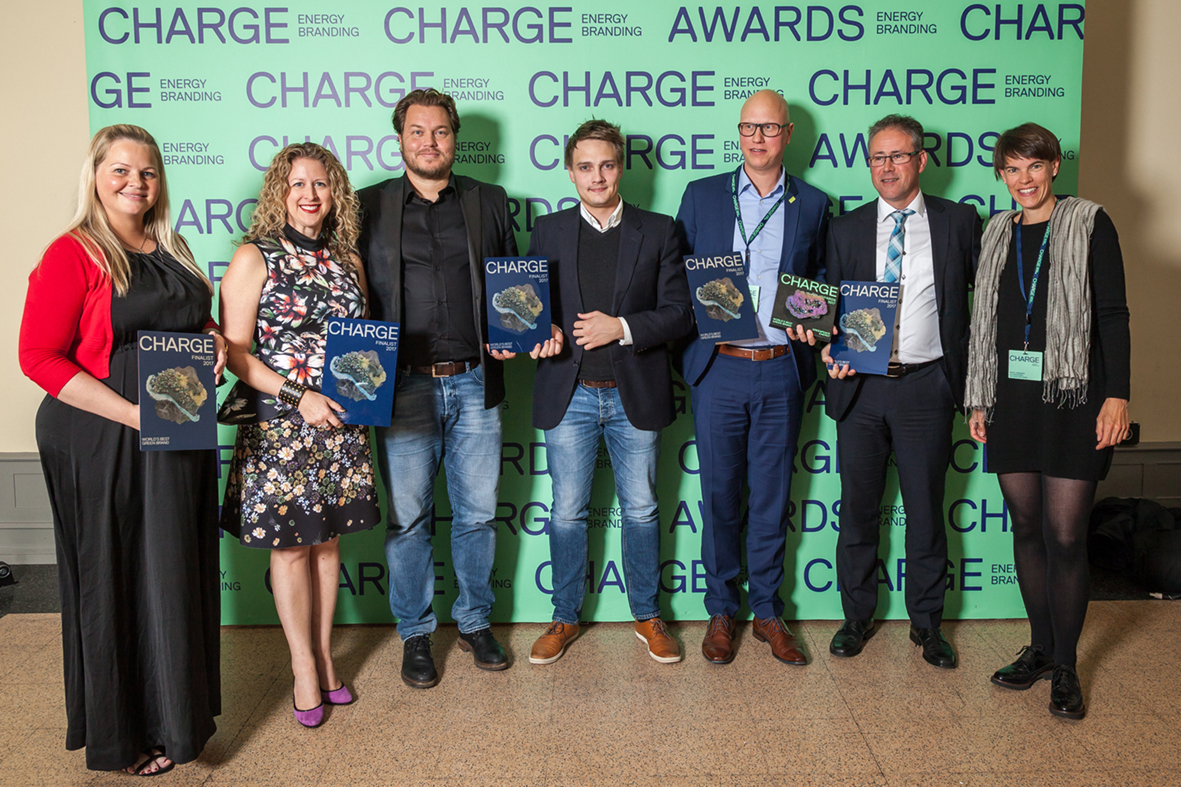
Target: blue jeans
440,418
571,449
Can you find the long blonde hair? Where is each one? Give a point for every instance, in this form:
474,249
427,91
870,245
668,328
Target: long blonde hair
93,230
341,226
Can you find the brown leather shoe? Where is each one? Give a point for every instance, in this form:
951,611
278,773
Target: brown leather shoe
718,645
784,645
661,645
550,646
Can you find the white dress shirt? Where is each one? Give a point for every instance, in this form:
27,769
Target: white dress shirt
916,329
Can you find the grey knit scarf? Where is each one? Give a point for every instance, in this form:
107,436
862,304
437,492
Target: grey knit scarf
1068,320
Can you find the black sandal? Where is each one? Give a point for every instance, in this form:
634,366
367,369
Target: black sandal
153,755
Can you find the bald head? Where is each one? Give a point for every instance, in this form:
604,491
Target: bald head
768,103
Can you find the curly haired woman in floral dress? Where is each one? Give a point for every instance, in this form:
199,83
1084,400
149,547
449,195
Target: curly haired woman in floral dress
299,477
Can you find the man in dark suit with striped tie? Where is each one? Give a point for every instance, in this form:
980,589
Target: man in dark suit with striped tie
930,246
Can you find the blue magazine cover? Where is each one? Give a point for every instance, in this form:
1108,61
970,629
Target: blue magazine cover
360,366
177,401
517,291
866,323
721,298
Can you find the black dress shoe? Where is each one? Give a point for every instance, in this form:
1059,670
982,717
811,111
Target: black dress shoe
418,668
936,649
1032,665
1066,695
483,646
851,637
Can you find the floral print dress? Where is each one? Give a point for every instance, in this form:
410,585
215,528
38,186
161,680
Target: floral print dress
290,483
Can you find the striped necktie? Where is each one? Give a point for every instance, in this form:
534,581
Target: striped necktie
896,246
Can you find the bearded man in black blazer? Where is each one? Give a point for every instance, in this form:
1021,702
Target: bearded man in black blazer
930,246
619,296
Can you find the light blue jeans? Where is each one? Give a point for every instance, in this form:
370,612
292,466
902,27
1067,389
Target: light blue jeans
440,419
571,449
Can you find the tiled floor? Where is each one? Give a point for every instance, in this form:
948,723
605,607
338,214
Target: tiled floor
607,714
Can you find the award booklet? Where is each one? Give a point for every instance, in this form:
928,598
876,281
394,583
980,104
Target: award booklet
867,315
517,291
177,401
360,367
806,302
721,298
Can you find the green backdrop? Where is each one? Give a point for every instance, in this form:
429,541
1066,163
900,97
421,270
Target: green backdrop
223,86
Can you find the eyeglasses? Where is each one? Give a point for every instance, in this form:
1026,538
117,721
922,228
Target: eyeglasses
769,129
898,158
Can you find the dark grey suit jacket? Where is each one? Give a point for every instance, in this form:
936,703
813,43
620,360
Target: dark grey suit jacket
489,234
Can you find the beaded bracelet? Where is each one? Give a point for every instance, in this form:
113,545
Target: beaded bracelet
291,393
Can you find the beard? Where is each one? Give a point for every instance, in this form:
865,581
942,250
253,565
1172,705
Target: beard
436,171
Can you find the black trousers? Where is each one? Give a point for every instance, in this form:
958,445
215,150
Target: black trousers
911,416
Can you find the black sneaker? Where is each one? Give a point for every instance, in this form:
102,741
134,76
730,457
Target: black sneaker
1032,665
418,668
488,653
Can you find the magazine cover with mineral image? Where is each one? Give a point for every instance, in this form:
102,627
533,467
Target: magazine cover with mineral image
868,310
177,391
721,298
517,292
360,367
806,302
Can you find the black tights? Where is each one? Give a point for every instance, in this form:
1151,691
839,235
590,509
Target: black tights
1050,517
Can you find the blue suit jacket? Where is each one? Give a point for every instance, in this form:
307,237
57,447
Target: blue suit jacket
706,222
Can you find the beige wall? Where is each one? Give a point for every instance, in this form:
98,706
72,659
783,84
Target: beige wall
1131,163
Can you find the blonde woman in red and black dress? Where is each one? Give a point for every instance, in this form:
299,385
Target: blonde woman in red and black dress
299,477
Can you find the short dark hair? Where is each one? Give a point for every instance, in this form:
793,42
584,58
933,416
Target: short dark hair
904,123
425,98
1029,140
595,129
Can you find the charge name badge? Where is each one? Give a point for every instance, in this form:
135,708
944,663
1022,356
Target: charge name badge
754,296
1025,365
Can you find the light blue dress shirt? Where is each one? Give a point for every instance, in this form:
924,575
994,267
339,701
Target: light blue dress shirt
765,252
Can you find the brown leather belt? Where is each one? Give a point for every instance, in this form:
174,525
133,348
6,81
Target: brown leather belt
446,368
903,369
754,354
597,383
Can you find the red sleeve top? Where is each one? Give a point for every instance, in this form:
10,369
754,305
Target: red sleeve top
66,327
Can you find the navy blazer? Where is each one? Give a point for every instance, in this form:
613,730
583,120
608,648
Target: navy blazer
651,293
706,224
955,250
489,234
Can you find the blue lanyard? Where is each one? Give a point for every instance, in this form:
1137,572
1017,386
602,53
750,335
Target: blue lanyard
738,213
1032,284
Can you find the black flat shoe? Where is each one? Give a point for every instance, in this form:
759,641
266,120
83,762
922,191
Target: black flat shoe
851,637
488,653
936,649
418,668
1031,666
1066,694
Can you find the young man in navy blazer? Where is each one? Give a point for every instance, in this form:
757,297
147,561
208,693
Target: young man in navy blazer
930,246
747,396
619,296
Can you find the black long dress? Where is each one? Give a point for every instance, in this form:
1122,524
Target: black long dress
137,552
1027,434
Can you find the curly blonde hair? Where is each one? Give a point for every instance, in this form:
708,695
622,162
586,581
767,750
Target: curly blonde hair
342,226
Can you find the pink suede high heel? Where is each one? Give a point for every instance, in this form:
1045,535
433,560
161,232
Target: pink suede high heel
309,718
341,696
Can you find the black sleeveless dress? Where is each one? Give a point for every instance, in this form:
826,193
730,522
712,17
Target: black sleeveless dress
137,552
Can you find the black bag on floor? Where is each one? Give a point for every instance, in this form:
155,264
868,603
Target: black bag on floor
1115,522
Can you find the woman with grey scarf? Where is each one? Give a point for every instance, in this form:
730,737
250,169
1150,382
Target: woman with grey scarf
1048,386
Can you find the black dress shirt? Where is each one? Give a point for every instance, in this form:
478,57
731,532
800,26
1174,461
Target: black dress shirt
438,320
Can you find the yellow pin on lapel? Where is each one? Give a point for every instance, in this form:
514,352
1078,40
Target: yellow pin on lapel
793,199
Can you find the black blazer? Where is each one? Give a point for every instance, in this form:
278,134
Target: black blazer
489,234
651,293
955,249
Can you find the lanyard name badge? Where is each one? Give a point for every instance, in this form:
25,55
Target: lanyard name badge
754,288
1025,364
